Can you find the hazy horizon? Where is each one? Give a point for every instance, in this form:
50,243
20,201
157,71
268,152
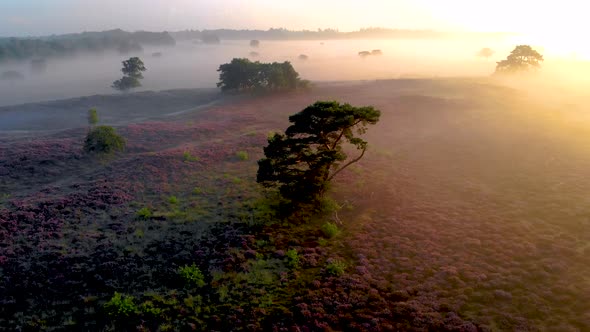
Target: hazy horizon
20,18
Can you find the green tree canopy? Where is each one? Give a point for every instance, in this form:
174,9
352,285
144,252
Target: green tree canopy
132,70
126,83
243,75
521,59
302,161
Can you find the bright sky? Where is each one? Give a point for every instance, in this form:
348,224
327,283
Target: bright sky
555,22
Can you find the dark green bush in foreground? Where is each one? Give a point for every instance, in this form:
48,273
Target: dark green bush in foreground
192,275
120,306
103,139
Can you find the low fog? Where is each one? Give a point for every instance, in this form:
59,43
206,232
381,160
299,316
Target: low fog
178,205
192,64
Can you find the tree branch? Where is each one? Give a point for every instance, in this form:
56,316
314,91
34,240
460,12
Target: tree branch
342,133
348,164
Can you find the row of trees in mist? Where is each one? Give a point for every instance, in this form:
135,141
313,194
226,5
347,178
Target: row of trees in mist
285,34
117,40
522,59
245,75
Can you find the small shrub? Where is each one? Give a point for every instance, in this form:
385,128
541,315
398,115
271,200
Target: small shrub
120,306
139,233
192,275
173,200
103,139
330,230
92,116
197,191
292,258
243,155
329,205
336,267
322,242
144,213
149,308
187,157
223,292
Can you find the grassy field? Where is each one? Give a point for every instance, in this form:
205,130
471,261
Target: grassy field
469,213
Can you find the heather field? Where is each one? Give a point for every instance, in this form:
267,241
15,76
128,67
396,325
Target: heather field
469,212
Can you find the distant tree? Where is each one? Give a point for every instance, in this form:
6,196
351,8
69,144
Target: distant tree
133,67
254,43
92,117
245,75
303,57
364,53
521,59
38,66
129,46
302,162
209,38
12,75
132,70
103,139
126,83
486,52
254,54
376,52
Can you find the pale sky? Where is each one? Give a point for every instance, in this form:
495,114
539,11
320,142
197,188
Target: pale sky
43,17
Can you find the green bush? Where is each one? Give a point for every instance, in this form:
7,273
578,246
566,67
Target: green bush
292,258
92,116
243,155
329,205
149,308
144,213
173,200
103,139
120,306
186,156
336,267
192,275
330,230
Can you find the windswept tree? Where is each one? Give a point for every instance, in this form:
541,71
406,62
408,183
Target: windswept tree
132,73
245,75
523,58
301,162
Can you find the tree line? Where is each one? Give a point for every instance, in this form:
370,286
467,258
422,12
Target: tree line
52,46
245,75
319,34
